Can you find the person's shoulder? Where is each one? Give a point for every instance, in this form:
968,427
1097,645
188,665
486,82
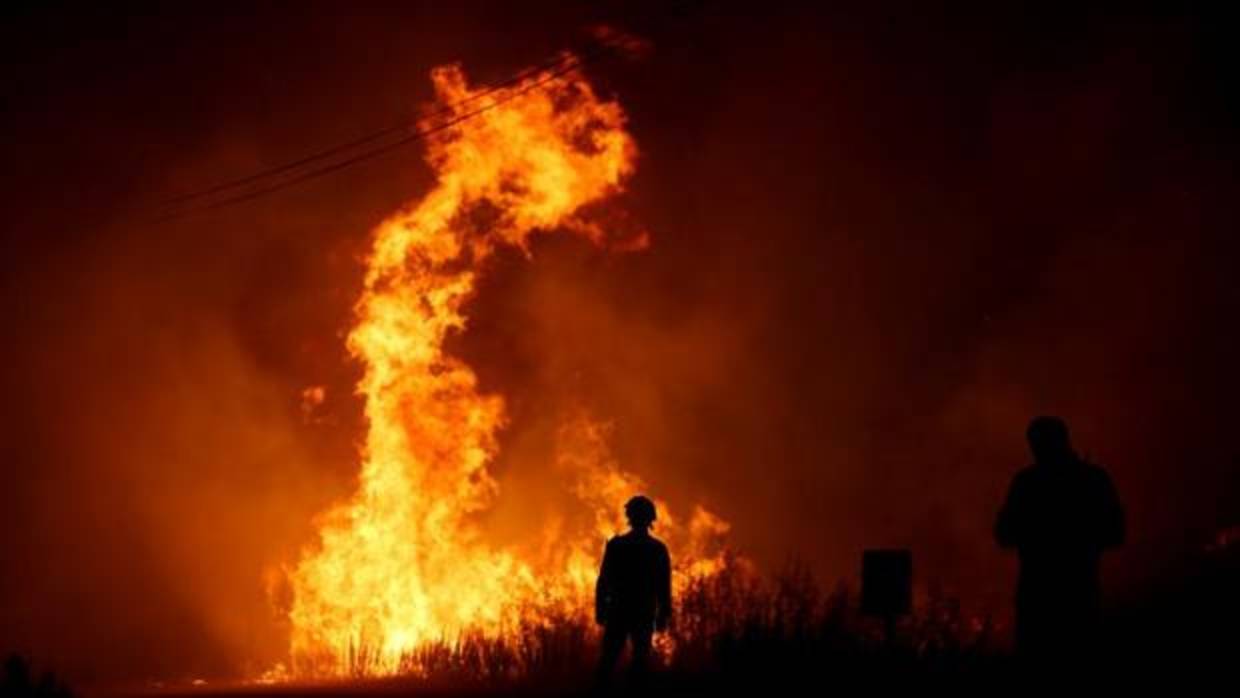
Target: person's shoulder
620,540
1095,472
657,544
1026,474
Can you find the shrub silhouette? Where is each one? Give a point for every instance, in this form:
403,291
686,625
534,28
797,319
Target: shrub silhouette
19,682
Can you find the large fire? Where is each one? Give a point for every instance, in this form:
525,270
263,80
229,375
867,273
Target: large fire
404,562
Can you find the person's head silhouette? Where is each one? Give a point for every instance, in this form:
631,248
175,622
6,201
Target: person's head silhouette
640,512
1049,441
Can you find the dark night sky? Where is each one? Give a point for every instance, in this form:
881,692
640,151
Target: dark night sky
882,240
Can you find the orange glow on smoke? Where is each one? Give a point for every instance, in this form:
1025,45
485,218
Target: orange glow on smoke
403,562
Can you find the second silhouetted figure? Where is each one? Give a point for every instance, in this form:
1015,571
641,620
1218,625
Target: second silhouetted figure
633,597
1061,513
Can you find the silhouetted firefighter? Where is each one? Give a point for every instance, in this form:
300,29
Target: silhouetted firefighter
1061,513
633,597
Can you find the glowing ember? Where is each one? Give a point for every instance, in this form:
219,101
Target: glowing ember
403,563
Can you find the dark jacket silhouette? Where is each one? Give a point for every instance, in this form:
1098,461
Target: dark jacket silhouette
1060,515
633,596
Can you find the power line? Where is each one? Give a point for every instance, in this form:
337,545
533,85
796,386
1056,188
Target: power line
360,141
373,152
561,65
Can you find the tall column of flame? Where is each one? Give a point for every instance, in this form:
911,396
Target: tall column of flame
401,563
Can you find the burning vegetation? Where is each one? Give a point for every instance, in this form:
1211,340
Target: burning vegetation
402,566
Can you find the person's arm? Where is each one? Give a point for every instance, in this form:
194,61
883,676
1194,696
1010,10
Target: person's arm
602,588
1113,529
663,615
1008,525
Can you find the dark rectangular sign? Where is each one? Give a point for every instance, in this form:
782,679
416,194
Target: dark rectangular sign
886,582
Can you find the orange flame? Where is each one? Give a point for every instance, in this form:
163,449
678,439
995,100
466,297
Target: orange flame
403,563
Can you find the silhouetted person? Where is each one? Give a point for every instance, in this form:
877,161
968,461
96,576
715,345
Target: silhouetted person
1061,513
633,597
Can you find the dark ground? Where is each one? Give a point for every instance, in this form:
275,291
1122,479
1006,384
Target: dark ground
739,633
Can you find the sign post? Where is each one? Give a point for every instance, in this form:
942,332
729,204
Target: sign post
887,586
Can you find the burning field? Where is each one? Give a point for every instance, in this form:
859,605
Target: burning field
402,564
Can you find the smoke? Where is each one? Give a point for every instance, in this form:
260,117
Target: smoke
160,468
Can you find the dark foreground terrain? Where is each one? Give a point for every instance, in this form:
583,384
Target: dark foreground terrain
738,634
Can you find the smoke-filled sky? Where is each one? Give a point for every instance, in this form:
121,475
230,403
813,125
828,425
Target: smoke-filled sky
881,241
